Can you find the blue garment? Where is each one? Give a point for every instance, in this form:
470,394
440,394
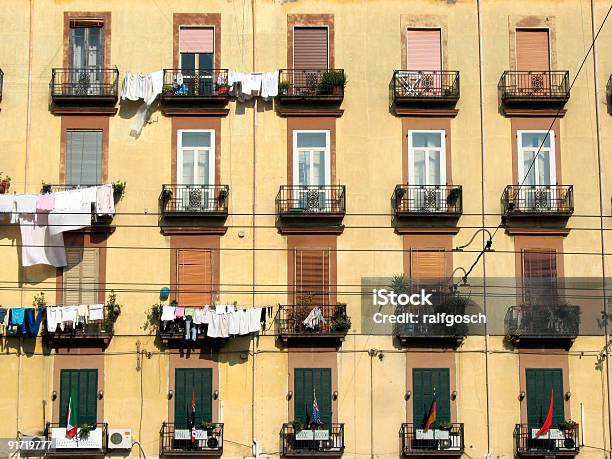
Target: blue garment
16,316
31,324
2,315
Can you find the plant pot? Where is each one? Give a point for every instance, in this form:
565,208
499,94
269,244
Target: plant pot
222,90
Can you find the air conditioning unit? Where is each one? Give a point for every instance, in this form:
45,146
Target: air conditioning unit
119,438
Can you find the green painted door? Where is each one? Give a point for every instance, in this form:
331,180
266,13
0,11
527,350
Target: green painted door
199,382
540,382
424,382
83,385
305,382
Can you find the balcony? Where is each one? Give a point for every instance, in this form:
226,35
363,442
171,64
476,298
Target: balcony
193,208
550,325
538,205
317,208
424,89
173,334
533,90
88,445
433,334
426,205
97,221
81,91
189,92
315,91
293,328
320,442
447,441
94,333
175,441
561,441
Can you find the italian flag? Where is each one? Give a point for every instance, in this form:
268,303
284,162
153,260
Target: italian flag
71,419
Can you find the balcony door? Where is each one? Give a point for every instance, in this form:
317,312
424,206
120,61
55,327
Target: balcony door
308,383
429,384
311,171
86,58
427,170
197,57
195,168
188,381
533,59
539,384
537,173
310,59
424,62
82,386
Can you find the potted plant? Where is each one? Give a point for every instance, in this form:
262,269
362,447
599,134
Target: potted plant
207,425
39,300
283,87
332,83
568,427
45,188
223,89
84,431
297,425
5,183
113,307
445,425
340,321
118,190
166,194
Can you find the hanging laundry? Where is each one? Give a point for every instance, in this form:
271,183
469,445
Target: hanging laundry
69,220
105,201
213,326
314,319
243,324
179,312
167,313
32,320
38,245
96,312
233,322
45,202
269,85
8,207
25,203
142,86
54,318
254,317
69,316
82,313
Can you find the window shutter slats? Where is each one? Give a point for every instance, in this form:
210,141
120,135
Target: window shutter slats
532,51
424,380
305,380
539,382
194,277
196,40
310,48
424,49
83,385
312,274
81,276
427,264
83,157
200,381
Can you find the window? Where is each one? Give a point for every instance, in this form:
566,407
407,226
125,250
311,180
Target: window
83,157
540,276
428,383
427,167
428,264
542,171
539,384
82,385
87,44
312,275
311,158
532,50
308,383
196,157
195,277
424,49
310,48
196,381
81,276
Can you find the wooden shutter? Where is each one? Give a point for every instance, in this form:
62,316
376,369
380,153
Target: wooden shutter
532,50
195,277
428,264
83,157
312,275
539,275
424,49
539,382
305,382
200,380
424,380
81,276
83,385
310,48
196,40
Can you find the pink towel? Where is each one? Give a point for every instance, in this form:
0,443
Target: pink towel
45,202
179,312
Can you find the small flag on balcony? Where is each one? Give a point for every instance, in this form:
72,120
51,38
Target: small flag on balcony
548,421
316,414
193,416
431,417
71,419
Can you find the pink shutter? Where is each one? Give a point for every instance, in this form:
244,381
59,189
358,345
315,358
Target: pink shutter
424,49
310,48
532,49
196,40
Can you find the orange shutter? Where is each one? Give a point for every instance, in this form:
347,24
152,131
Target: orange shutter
428,264
310,48
424,49
312,275
194,277
196,40
532,52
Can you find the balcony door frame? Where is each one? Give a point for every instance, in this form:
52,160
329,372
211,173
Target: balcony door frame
411,149
296,154
552,156
179,156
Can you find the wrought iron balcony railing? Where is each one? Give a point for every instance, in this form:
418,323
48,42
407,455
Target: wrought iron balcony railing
534,86
90,83
538,200
558,441
91,330
316,320
195,84
427,199
425,86
542,321
313,84
81,445
175,440
194,200
326,441
1,83
608,93
439,440
299,200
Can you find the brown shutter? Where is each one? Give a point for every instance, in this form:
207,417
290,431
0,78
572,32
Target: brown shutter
86,22
424,49
532,51
312,275
81,276
196,40
194,277
310,48
539,275
427,264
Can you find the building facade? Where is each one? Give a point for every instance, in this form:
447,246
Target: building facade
396,133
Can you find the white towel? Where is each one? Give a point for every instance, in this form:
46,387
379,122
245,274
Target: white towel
67,220
54,318
213,326
88,194
105,202
38,245
167,313
7,206
243,324
254,320
269,85
69,314
25,203
96,312
233,322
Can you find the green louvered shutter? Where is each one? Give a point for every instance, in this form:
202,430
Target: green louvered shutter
540,381
305,381
83,384
200,380
424,380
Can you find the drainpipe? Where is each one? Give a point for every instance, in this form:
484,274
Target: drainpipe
601,217
483,202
